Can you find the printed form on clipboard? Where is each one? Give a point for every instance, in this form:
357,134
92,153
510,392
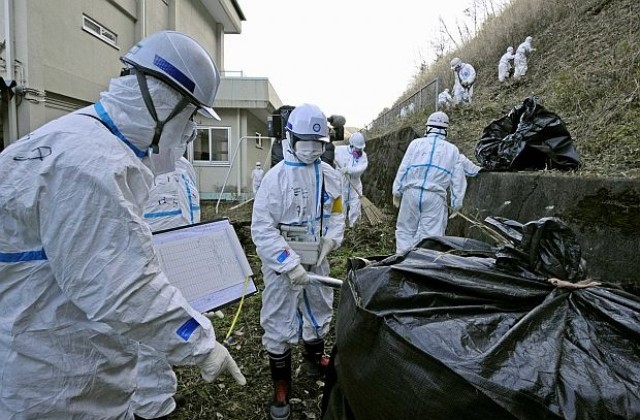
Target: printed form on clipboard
206,262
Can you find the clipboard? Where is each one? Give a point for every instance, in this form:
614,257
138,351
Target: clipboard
206,262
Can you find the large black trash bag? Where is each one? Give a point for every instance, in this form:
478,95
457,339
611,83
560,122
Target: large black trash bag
546,246
442,333
529,137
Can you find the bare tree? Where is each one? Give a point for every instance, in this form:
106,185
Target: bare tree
444,30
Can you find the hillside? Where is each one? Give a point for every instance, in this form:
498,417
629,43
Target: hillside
586,69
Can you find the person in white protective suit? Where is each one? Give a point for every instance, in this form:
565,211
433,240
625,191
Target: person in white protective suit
81,285
465,77
504,66
430,166
300,192
173,201
445,99
520,59
256,177
351,161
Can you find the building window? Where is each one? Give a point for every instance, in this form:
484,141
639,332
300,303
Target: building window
258,140
100,31
211,145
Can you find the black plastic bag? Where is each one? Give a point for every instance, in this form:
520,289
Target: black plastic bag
529,137
545,247
443,333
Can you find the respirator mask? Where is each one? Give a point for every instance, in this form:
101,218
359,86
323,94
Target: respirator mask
309,151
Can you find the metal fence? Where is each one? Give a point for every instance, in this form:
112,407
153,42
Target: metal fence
426,96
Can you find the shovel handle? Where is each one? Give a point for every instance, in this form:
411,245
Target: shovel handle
325,281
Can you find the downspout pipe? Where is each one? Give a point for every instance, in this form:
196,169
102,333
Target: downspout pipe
142,18
12,113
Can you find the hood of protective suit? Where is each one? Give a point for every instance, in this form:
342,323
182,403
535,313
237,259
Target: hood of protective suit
125,106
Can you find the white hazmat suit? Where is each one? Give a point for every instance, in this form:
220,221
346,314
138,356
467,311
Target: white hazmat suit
429,167
295,193
445,99
81,285
173,202
174,199
520,59
352,164
465,77
256,178
470,168
505,64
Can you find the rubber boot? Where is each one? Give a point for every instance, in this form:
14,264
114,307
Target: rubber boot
280,365
316,362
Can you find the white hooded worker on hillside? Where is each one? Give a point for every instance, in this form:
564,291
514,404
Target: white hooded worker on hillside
465,77
430,167
299,196
256,177
81,285
173,201
504,66
520,59
445,99
351,161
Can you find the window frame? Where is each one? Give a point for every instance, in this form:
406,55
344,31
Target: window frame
210,162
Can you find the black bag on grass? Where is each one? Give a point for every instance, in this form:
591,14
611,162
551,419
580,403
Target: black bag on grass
444,333
529,137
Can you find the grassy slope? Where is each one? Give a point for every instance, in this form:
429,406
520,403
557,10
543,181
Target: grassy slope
586,68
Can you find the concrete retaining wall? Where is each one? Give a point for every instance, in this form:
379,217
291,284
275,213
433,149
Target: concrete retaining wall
604,213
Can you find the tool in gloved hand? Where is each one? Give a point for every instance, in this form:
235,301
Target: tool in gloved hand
218,362
317,279
327,245
298,276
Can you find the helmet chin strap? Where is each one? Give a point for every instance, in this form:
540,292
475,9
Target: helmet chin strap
148,101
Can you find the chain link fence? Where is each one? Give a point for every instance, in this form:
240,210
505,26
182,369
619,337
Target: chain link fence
427,96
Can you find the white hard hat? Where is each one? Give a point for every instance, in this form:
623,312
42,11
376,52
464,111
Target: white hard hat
308,122
528,39
357,140
258,164
509,49
438,119
447,90
182,63
455,63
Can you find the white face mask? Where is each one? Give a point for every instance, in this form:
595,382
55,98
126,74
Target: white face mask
309,151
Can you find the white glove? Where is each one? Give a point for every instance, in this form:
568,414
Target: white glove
219,361
327,246
344,170
298,276
396,201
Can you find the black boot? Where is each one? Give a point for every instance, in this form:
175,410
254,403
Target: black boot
280,365
316,362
